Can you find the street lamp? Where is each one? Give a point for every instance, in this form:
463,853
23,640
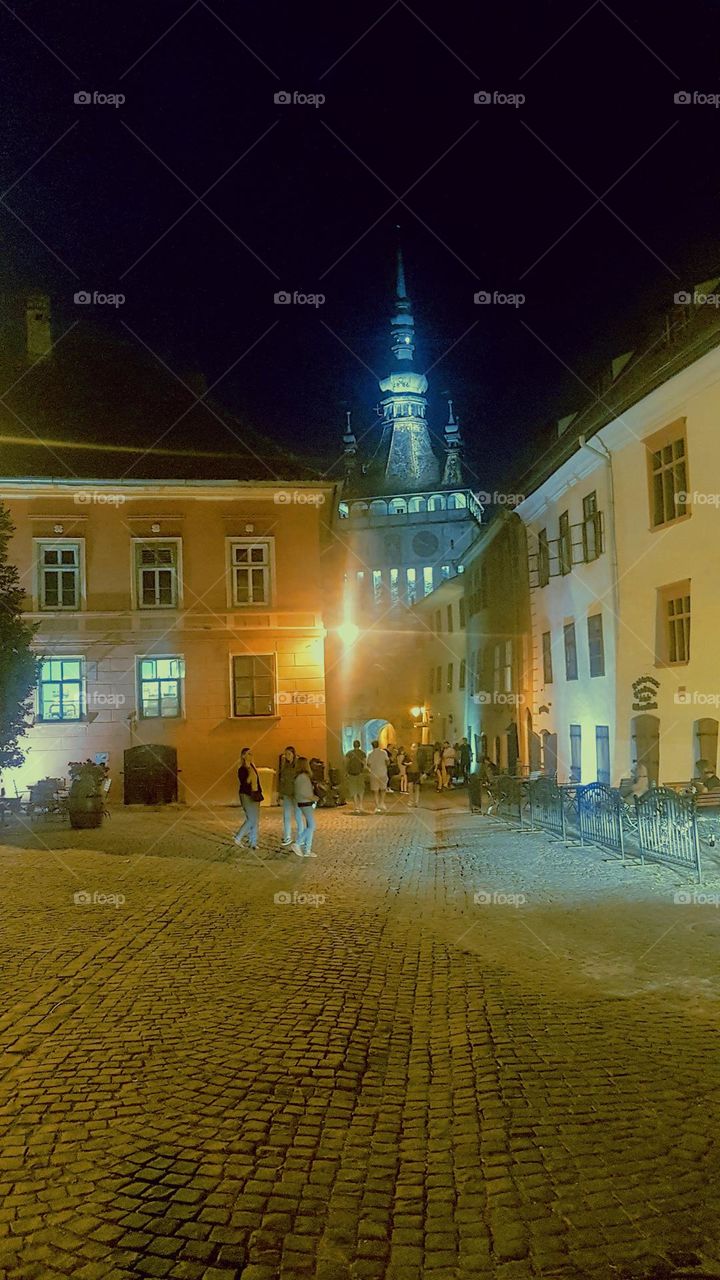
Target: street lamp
348,632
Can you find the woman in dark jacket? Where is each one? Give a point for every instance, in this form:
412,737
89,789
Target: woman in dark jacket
286,788
250,798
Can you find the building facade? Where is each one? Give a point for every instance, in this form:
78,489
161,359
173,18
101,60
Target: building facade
439,709
624,561
177,622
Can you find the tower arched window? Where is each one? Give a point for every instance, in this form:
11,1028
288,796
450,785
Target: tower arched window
359,509
436,502
417,504
378,508
397,507
456,501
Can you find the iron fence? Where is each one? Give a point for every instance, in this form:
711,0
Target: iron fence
547,807
667,829
600,817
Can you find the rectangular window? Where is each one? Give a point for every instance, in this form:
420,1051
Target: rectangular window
156,567
596,646
438,622
571,665
543,559
565,543
602,753
547,657
449,618
675,623
411,577
591,528
253,684
427,580
445,570
461,612
450,678
59,567
667,464
394,586
250,563
61,689
507,667
461,674
377,586
496,668
160,687
438,679
575,753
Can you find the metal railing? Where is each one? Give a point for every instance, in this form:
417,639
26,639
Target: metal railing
600,817
667,829
547,807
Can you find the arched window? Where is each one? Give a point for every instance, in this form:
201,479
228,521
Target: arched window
456,501
417,504
436,502
397,507
378,508
359,509
343,510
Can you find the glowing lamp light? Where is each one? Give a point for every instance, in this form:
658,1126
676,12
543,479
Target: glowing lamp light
348,632
416,711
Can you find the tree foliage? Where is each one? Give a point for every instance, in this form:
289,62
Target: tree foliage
18,663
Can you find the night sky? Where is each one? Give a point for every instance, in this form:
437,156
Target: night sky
311,195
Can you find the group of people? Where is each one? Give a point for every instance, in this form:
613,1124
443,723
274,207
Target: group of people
377,769
451,763
297,797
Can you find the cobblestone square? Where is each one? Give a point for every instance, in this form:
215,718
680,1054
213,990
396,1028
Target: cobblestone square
439,1049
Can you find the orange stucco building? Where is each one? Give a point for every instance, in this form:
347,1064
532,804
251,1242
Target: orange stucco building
178,621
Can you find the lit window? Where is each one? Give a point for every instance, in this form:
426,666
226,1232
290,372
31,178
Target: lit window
253,685
61,689
668,481
343,510
445,570
394,586
427,580
160,687
411,576
251,572
377,586
157,574
59,575
675,613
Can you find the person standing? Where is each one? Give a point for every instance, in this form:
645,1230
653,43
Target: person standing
437,765
464,759
412,770
355,771
403,761
305,801
251,797
377,763
286,789
448,766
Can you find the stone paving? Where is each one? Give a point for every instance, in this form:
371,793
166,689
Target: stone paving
224,1065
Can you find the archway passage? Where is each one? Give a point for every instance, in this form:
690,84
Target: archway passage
379,729
646,745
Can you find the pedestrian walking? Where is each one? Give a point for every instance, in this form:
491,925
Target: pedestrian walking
448,765
437,765
251,797
377,762
286,790
355,774
465,757
305,802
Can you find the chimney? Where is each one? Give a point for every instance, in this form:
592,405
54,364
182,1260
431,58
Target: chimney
37,326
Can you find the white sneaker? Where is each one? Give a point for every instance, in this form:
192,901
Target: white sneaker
309,854
378,809
286,842
296,849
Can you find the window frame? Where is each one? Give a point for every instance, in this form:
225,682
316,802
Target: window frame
570,630
254,715
547,657
82,682
139,682
565,556
668,436
600,634
136,543
232,541
37,586
667,624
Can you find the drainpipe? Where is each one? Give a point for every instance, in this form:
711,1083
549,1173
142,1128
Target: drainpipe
604,454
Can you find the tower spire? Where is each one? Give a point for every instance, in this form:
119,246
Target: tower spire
452,471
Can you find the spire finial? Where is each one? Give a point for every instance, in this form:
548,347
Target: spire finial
401,286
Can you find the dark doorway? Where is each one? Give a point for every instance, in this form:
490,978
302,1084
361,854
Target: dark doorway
151,775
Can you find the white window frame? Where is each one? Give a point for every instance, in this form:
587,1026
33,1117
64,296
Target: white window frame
138,542
37,586
63,657
160,657
230,544
242,653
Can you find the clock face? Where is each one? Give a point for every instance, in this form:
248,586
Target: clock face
425,544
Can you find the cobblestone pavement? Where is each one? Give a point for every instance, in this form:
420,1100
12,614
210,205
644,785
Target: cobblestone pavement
348,1067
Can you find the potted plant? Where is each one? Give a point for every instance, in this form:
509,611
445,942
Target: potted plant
86,803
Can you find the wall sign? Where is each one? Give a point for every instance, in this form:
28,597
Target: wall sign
645,693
